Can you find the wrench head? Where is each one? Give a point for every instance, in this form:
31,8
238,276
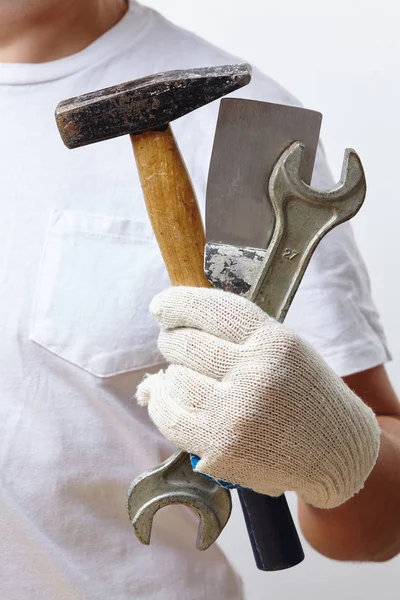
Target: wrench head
303,216
344,200
175,482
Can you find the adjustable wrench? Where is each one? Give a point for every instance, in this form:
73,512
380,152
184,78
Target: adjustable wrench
270,278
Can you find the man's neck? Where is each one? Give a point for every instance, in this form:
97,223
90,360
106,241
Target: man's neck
45,30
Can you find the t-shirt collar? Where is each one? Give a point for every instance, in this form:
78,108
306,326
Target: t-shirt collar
129,29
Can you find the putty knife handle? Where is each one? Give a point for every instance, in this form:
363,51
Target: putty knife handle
273,536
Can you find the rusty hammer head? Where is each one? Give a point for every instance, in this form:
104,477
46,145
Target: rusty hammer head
148,103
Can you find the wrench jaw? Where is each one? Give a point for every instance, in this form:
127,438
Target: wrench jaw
175,482
347,196
353,181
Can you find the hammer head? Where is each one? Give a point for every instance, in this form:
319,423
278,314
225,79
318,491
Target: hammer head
148,103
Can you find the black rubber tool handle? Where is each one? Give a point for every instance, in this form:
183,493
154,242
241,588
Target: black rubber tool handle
273,535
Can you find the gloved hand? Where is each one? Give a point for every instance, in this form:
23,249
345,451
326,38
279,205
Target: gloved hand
257,404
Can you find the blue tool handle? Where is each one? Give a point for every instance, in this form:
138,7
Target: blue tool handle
273,535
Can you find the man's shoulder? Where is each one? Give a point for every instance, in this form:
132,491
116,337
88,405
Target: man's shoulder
204,53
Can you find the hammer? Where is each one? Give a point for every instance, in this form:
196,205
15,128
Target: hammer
143,109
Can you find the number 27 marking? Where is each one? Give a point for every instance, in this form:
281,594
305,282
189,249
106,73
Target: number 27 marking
289,253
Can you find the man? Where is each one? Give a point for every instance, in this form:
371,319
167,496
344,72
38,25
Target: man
78,268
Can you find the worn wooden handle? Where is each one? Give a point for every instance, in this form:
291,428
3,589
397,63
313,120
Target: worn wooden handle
172,206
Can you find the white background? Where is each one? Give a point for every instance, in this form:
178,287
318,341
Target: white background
341,57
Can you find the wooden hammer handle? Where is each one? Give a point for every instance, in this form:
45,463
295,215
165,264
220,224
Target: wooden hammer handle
172,206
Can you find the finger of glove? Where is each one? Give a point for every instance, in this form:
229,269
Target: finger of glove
200,351
222,314
177,402
148,386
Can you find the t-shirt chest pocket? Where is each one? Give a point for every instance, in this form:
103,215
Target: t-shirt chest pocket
97,277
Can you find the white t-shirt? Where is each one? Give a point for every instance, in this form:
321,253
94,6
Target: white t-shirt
78,268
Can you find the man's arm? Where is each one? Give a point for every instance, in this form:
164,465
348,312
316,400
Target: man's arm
367,527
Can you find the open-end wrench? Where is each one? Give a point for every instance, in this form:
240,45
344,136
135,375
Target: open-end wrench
303,216
271,277
175,482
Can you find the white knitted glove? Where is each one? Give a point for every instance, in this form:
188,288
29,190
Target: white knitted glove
258,405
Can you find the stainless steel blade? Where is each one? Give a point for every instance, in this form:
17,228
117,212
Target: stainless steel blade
250,137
